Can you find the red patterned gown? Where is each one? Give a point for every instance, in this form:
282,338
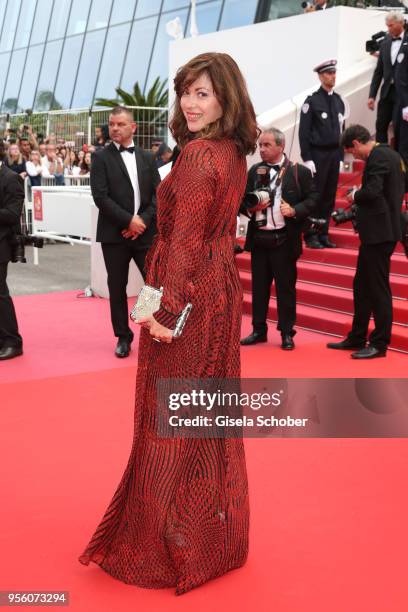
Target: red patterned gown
180,514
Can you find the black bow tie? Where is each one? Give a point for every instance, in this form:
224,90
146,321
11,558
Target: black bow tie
397,38
275,167
128,149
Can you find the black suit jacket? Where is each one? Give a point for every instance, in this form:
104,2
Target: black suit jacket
384,70
112,192
11,206
401,76
379,201
298,190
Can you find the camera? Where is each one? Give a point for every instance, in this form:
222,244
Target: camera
259,196
262,194
18,242
342,215
306,5
373,45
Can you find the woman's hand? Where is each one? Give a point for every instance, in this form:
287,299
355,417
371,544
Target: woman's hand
157,330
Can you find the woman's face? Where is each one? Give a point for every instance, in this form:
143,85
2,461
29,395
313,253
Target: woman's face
72,156
199,104
35,157
81,155
87,158
14,151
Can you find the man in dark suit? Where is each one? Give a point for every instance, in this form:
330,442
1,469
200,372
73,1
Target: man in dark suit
387,63
378,217
274,234
123,183
11,206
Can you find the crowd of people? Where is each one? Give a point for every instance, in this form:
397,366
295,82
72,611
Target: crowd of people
35,158
57,158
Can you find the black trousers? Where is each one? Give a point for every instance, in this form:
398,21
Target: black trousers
9,335
117,258
372,295
385,115
327,164
274,264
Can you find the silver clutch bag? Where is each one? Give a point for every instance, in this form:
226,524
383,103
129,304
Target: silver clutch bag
148,302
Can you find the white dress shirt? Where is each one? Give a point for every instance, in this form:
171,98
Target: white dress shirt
395,47
130,162
274,218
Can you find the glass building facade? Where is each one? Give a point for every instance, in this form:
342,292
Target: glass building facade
65,53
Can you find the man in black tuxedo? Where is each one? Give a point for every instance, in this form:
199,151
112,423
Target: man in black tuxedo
274,234
378,218
387,63
123,183
11,206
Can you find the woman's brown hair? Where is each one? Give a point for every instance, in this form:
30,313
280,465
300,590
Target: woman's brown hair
238,121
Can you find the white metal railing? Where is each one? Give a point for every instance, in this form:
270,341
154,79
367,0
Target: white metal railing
77,125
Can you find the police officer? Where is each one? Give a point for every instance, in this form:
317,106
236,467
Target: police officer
321,124
11,205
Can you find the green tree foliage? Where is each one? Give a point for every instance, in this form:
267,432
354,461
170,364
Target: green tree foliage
156,97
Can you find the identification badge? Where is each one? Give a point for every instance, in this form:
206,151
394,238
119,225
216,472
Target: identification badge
324,115
305,108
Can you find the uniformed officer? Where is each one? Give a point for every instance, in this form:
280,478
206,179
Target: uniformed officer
321,124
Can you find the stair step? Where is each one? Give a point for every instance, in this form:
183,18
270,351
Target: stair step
331,275
347,238
348,258
331,298
328,322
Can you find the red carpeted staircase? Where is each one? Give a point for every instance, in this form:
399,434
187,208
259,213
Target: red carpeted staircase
325,277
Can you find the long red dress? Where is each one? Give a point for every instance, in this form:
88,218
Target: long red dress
180,514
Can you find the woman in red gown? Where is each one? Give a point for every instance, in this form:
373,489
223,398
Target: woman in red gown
180,514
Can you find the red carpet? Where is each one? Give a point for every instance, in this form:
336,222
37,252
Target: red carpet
328,517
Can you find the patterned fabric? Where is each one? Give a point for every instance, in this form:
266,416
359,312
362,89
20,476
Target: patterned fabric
180,514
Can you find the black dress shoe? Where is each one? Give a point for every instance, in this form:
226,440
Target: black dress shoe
314,244
287,342
369,352
254,338
345,345
123,348
9,352
328,244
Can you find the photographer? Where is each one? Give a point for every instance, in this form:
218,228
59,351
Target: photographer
279,196
11,205
53,165
378,222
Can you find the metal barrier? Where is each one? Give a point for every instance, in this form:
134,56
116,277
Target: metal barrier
78,184
77,126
